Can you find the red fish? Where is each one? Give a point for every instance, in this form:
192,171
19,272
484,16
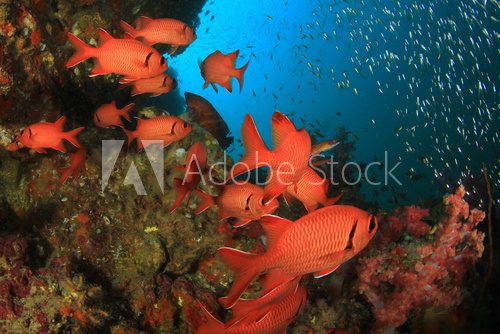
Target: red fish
196,164
276,320
161,31
108,115
287,162
167,128
219,68
77,163
244,202
317,243
311,190
43,135
155,86
127,57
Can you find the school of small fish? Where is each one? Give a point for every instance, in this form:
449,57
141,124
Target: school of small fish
437,58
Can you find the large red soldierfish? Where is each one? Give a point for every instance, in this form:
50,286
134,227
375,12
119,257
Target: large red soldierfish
243,202
317,243
43,135
196,164
155,86
128,57
168,129
276,320
77,163
311,191
219,68
108,115
161,31
287,162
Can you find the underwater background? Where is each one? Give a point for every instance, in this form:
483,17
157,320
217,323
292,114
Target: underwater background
404,84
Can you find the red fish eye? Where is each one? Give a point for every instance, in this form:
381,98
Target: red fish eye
162,61
373,224
185,125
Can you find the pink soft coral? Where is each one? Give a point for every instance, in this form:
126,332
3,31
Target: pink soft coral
425,271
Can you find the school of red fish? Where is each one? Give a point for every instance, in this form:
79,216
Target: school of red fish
318,243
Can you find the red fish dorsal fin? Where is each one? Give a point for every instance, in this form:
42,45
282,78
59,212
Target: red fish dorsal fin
282,127
274,227
60,122
233,56
104,36
142,21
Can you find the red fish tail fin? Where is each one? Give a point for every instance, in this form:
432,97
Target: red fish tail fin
212,324
240,73
206,201
71,136
245,267
83,51
182,190
125,112
256,152
332,201
128,28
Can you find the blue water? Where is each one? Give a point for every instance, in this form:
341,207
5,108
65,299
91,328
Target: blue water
410,63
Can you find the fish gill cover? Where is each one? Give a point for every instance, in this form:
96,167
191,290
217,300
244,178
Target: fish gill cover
120,210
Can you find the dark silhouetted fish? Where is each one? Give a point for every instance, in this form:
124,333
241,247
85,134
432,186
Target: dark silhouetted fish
202,112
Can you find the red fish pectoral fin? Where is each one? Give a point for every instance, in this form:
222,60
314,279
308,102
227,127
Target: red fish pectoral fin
205,85
82,53
245,267
325,272
273,227
182,190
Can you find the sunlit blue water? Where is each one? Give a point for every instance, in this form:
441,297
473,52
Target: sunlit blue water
417,79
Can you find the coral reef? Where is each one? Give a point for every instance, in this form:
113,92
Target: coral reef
76,257
418,268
